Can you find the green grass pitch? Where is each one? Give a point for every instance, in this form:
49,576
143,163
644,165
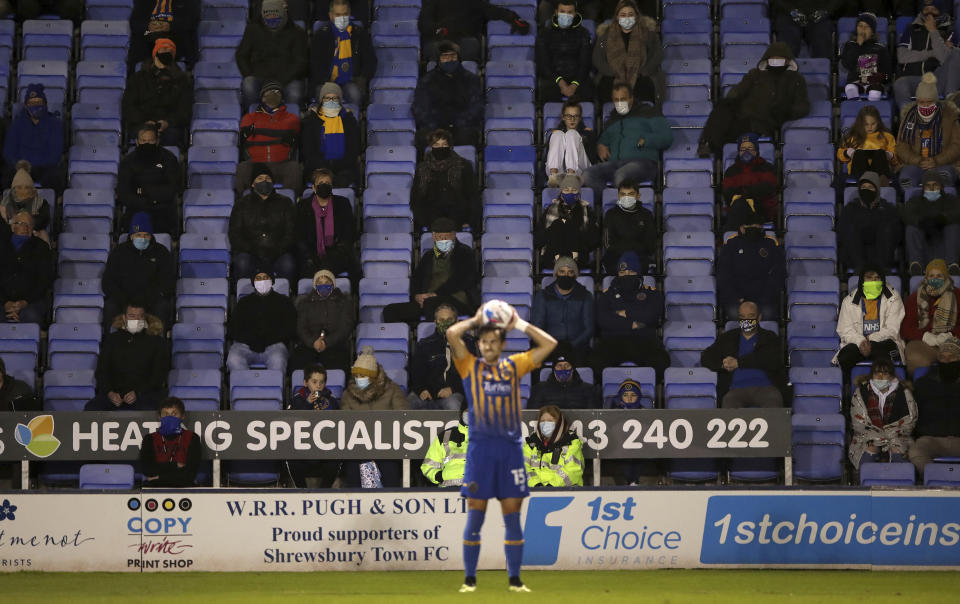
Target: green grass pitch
592,587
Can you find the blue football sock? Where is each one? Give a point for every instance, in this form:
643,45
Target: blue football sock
513,543
471,542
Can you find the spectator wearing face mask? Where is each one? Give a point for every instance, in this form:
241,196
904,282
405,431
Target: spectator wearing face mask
325,321
630,144
752,178
444,186
446,459
868,146
572,147
140,269
434,381
35,135
26,274
564,56
772,93
449,97
628,227
24,197
930,316
564,309
932,219
325,229
564,388
331,138
160,95
133,363
867,62
810,21
631,472
628,50
568,227
149,180
341,52
869,323
751,266
883,414
446,274
869,228
314,395
169,457
262,229
462,22
273,48
937,394
552,454
176,20
749,364
929,137
629,314
267,136
261,325
926,47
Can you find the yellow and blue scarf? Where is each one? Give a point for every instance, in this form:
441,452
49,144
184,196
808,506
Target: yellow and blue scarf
333,142
342,56
162,11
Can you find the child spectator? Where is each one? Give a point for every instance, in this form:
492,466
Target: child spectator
867,61
882,415
572,147
868,146
314,395
169,457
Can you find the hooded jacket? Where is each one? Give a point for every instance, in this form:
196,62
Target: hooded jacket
459,19
766,99
442,100
269,137
564,53
622,133
911,153
322,45
268,54
573,394
558,463
262,227
27,273
430,367
132,362
850,321
568,318
41,144
646,27
767,356
260,320
311,143
381,395
333,315
897,434
919,208
579,233
148,275
857,216
155,94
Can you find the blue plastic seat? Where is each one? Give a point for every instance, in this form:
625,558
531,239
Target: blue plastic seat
391,341
811,343
198,345
104,40
101,74
509,167
941,475
685,340
690,298
82,256
818,447
689,388
106,476
383,254
109,9
77,301
260,385
893,474
507,255
199,389
20,343
216,76
67,389
73,345
202,300
811,253
377,292
206,255
516,291
812,298
816,390
688,254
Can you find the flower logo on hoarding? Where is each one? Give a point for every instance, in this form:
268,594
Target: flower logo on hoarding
7,510
37,436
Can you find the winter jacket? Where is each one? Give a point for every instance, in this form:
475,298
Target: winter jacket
577,233
37,206
456,20
333,315
766,356
148,275
463,275
622,133
946,209
132,362
574,394
269,137
262,227
896,434
149,179
765,99
937,402
154,94
909,328
756,180
642,304
918,52
259,320
868,64
267,54
183,31
567,318
911,154
635,230
445,188
169,474
850,322
344,228
564,53
430,367
16,395
554,464
27,273
446,459
322,45
750,269
326,401
41,144
878,141
442,101
381,395
653,49
857,217
312,153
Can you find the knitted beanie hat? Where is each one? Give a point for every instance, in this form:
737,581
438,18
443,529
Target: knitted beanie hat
927,88
366,363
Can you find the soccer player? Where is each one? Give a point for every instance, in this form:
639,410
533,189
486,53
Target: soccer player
495,456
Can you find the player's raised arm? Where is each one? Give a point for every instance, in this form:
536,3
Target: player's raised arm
455,334
543,343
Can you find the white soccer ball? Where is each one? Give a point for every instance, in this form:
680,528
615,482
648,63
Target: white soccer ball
497,312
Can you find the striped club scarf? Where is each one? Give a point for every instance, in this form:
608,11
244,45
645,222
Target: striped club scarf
342,57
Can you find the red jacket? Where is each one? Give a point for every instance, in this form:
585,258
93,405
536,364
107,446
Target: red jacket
909,330
269,138
756,180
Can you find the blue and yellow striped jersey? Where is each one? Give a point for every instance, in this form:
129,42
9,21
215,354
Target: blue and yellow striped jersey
493,394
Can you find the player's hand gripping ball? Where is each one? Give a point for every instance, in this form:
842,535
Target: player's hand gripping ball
497,313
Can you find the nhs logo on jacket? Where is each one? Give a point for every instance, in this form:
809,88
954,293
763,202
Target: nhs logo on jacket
832,529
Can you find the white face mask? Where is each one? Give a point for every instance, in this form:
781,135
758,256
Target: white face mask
776,62
341,23
627,202
263,287
622,107
627,22
330,108
361,381
547,428
136,325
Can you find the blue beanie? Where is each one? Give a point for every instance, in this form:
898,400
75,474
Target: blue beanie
629,261
34,91
748,137
140,223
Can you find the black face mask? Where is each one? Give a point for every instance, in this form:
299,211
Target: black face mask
147,147
165,58
949,372
566,281
773,69
323,189
753,233
868,195
629,282
440,152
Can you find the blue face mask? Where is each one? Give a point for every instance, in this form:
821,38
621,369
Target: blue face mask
563,375
170,426
932,195
19,240
273,23
935,283
746,156
324,289
362,382
141,243
564,20
570,198
444,246
36,111
547,428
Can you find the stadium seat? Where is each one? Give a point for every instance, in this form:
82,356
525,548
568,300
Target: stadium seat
893,474
390,341
689,388
77,301
82,256
198,388
612,377
941,475
20,343
102,40
812,344
685,340
507,255
73,346
377,292
688,254
690,298
67,389
812,298
198,345
811,253
816,390
386,254
255,386
516,291
202,300
206,255
819,444
104,476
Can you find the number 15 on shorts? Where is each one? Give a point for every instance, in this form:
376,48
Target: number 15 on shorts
519,476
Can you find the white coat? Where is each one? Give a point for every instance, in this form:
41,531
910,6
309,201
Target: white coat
850,323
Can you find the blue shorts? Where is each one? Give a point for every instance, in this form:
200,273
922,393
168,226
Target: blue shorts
494,469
